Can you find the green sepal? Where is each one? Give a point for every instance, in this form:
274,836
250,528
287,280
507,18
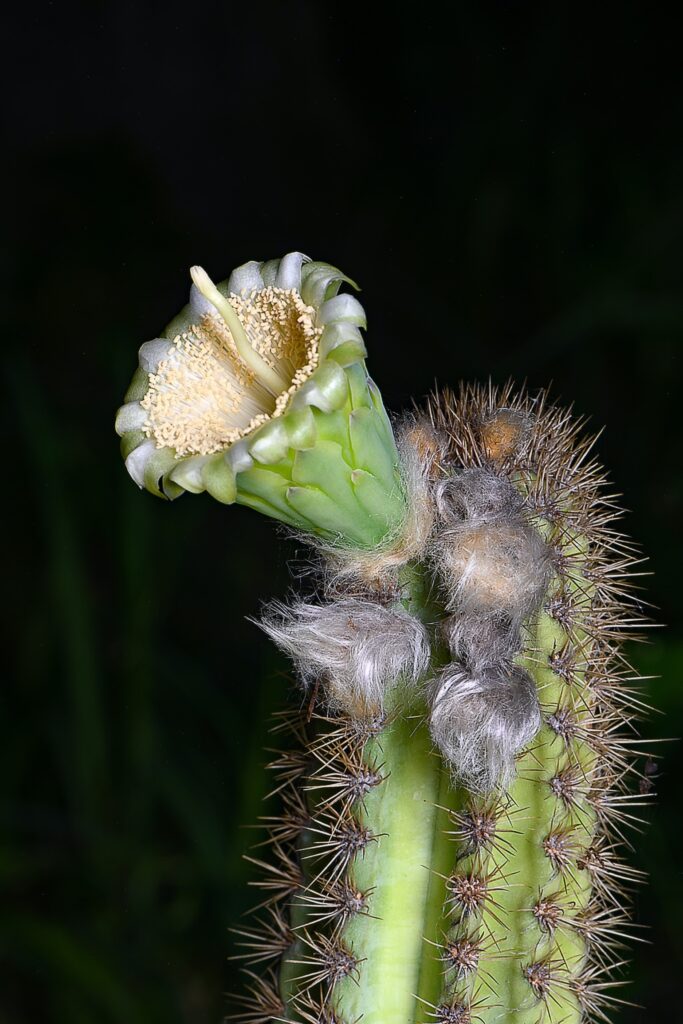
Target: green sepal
369,447
187,473
131,440
157,466
219,479
171,489
137,389
372,495
348,353
270,443
358,384
289,517
334,426
326,389
383,423
320,509
270,488
301,428
324,468
337,335
295,429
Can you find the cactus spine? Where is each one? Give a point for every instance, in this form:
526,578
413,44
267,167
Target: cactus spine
401,895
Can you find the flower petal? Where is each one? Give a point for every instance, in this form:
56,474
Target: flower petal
270,444
188,473
327,389
269,271
200,305
320,281
136,462
289,271
153,352
239,456
130,416
219,479
246,278
344,308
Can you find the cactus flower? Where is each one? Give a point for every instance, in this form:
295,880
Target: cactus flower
257,392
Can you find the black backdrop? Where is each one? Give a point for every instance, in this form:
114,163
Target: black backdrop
507,188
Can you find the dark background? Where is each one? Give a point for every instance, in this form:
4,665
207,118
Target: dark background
508,189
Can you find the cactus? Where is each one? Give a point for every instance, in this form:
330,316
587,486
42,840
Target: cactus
454,778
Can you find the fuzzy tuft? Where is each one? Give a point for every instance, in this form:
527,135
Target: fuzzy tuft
481,723
503,434
358,649
494,569
492,563
481,642
477,494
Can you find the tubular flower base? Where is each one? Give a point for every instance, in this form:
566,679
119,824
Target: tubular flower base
452,797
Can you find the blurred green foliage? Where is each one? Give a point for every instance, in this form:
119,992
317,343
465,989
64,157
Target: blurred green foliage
509,194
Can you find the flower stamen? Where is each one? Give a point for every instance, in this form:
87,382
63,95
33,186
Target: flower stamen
264,373
203,396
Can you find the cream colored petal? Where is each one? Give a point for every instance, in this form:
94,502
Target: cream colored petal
138,459
342,307
269,272
200,305
246,278
289,272
130,416
239,457
153,352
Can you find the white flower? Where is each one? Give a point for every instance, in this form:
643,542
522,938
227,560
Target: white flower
258,393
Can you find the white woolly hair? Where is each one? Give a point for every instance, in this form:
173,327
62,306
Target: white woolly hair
481,722
494,569
419,448
492,563
357,649
481,642
476,494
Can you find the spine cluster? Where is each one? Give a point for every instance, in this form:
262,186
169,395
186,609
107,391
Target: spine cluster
454,797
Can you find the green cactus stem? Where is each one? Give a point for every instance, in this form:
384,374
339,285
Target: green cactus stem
458,776
431,903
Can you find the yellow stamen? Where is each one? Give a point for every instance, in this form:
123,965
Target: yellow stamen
264,373
203,397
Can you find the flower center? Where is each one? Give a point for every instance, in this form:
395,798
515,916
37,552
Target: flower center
214,388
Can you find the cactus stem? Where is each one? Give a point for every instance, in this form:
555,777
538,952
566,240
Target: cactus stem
408,816
418,901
